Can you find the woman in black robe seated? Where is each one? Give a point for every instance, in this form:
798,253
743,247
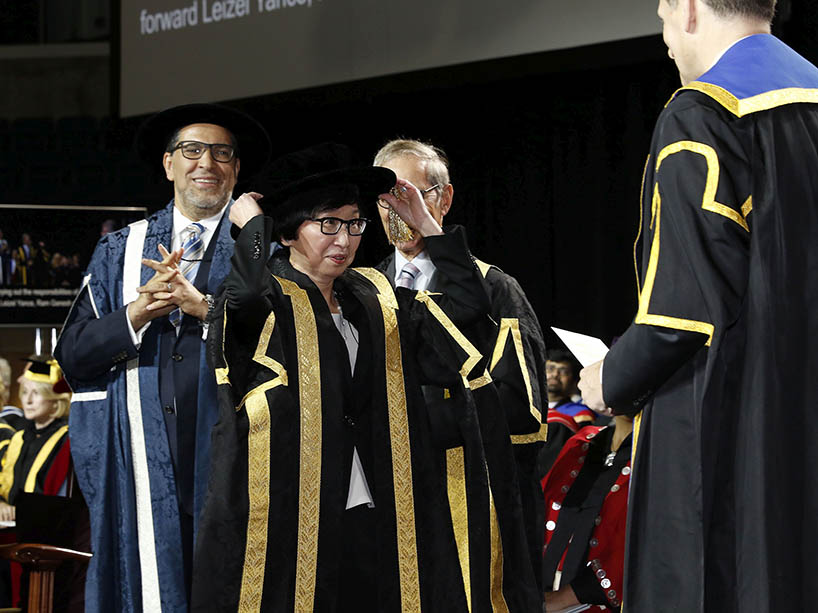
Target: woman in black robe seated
327,491
37,457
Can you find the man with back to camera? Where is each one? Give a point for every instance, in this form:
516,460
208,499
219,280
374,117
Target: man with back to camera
722,514
517,338
132,350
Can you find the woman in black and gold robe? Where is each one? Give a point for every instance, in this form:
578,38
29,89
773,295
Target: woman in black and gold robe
328,491
36,459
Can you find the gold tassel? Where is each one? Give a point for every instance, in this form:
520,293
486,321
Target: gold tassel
399,231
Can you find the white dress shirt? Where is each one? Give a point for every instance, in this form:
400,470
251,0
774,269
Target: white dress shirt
424,264
358,492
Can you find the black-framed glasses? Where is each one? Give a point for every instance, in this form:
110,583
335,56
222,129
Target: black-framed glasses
423,192
194,150
332,225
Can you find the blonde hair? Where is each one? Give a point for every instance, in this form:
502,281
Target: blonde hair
62,402
5,381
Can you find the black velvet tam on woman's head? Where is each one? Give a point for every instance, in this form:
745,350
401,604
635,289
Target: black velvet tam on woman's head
321,177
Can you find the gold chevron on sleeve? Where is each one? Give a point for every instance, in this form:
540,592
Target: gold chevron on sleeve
473,355
510,326
643,316
712,182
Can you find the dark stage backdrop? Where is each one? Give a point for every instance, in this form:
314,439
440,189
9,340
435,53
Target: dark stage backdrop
247,48
547,154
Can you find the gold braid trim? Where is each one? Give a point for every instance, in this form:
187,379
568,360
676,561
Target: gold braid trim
753,104
498,601
9,460
473,355
540,436
258,490
309,494
481,381
642,314
223,374
261,356
511,326
639,229
637,425
459,509
42,457
258,473
712,181
483,267
747,207
400,442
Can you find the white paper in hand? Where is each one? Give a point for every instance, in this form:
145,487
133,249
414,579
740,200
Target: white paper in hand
586,349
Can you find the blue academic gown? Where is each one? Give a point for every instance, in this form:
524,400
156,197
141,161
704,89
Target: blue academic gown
120,421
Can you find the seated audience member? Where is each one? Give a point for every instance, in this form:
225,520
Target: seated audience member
560,429
562,376
586,499
566,413
37,458
10,414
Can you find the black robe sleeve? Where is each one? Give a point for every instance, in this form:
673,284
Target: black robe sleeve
695,238
92,342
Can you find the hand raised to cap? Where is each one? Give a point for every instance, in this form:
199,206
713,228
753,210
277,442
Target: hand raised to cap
408,203
245,208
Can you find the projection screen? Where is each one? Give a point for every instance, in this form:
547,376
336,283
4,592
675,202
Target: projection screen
179,51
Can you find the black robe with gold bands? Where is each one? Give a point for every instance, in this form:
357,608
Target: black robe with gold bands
722,354
29,458
291,412
512,433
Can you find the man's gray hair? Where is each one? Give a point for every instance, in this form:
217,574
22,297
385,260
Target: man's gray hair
437,164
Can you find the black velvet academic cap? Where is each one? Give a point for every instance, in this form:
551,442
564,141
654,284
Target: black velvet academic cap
253,141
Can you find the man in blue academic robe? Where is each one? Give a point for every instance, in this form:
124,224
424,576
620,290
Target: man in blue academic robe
132,349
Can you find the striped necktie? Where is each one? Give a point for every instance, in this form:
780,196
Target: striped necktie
407,276
189,265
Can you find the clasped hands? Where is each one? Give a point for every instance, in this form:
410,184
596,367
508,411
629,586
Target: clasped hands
167,290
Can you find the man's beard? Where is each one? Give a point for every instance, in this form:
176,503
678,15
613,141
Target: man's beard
205,202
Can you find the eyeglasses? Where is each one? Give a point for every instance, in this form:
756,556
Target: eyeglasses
194,150
332,225
563,371
423,192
